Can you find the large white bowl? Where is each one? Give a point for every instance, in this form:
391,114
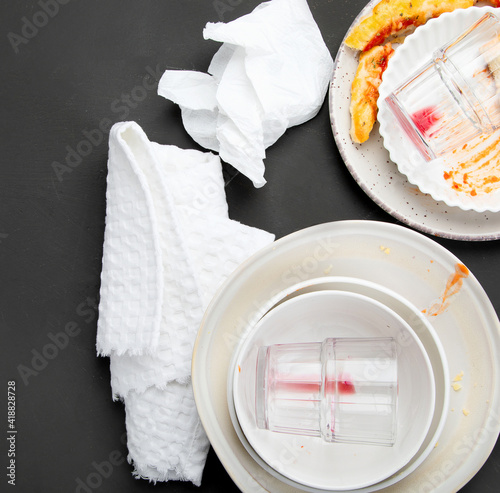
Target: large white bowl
424,330
415,52
314,465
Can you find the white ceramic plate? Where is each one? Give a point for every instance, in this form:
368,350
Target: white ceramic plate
415,52
309,461
399,259
419,324
371,167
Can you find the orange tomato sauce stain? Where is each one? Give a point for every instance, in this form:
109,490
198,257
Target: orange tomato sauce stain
453,286
475,168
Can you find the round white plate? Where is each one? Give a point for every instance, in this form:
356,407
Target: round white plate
415,52
400,259
419,324
371,167
311,462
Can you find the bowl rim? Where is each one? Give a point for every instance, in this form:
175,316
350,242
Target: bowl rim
277,310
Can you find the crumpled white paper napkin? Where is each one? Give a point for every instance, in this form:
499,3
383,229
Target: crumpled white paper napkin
168,245
271,72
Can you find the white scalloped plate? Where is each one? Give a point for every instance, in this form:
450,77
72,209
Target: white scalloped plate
371,167
416,51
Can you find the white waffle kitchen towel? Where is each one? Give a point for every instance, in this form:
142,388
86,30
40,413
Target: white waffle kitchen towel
168,245
271,72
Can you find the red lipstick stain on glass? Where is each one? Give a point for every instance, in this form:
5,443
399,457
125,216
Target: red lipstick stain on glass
425,119
344,387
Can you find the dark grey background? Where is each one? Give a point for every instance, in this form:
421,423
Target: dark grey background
71,76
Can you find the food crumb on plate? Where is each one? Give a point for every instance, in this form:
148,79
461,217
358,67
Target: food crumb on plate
466,412
459,376
385,249
456,386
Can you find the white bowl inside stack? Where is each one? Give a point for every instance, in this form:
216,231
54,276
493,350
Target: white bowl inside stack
344,307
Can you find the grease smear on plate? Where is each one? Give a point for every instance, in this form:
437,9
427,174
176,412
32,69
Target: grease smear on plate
453,286
475,168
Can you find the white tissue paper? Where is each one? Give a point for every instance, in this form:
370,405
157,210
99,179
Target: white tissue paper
168,245
271,72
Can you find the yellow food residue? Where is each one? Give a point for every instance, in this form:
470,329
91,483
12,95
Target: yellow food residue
459,377
390,17
456,387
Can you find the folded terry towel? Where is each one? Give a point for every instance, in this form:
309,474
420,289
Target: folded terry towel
168,245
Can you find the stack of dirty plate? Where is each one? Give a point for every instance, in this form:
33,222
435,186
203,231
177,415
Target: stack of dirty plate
352,280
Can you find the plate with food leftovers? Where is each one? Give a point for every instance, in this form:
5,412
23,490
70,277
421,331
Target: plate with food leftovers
451,156
366,52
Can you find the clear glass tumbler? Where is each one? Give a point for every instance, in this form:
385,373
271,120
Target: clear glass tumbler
341,389
454,97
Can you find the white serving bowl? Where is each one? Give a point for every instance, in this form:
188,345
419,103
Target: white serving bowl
307,462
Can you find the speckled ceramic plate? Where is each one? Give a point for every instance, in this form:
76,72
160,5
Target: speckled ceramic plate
402,260
370,165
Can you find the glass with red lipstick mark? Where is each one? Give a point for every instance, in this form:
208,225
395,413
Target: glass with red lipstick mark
344,390
454,97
